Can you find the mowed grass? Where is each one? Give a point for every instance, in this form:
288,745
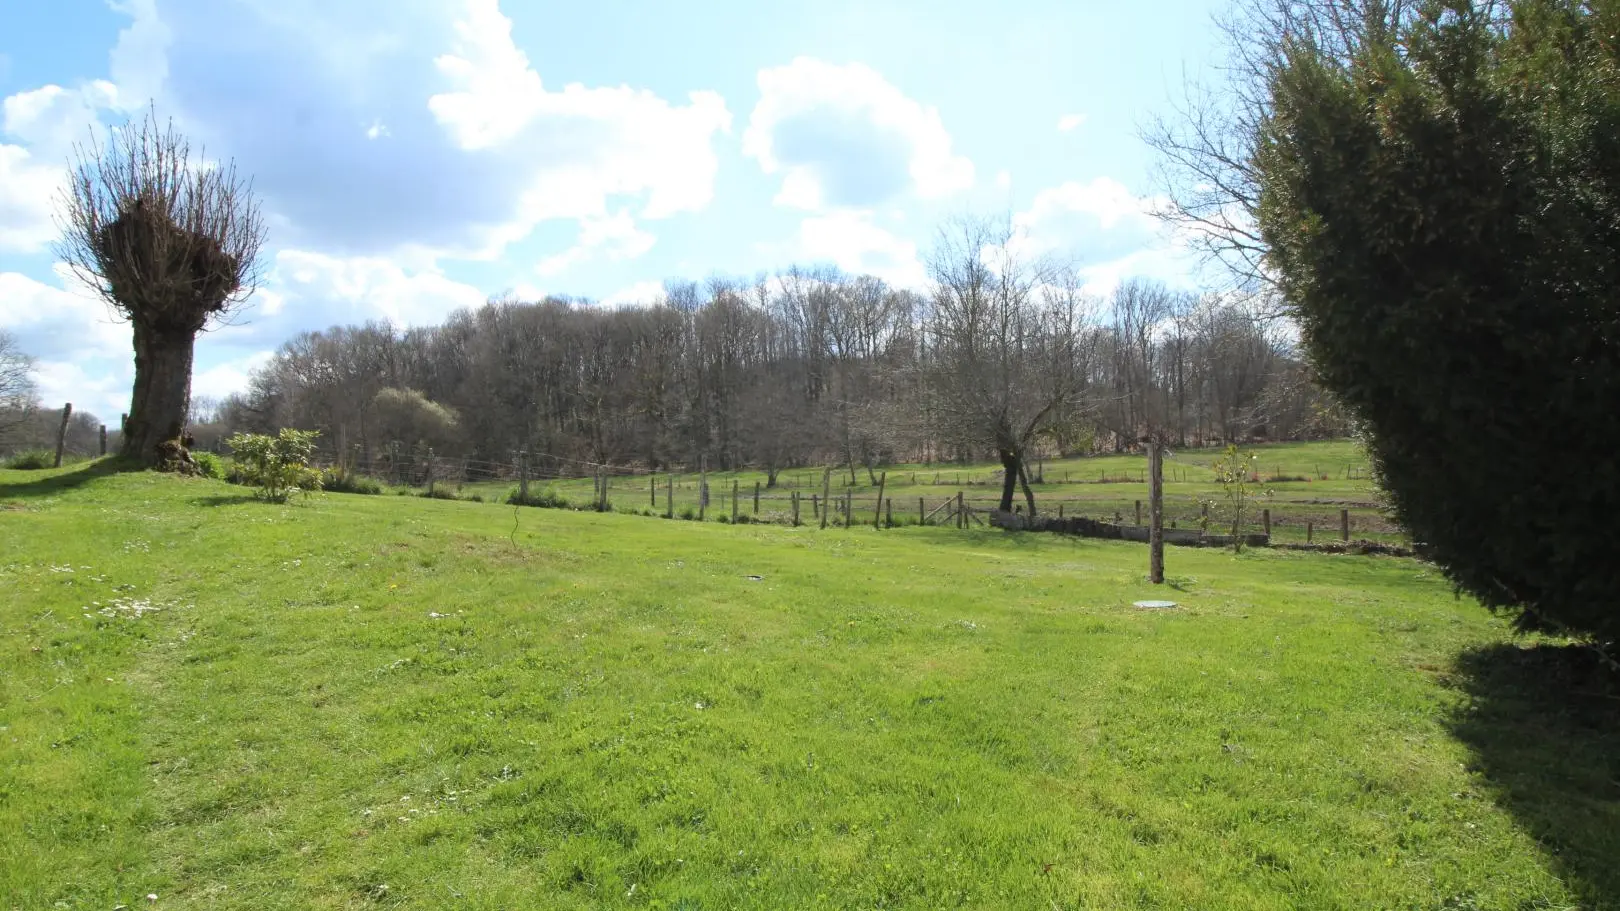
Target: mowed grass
1320,479
357,702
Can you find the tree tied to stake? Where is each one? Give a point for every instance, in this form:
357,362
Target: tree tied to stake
171,242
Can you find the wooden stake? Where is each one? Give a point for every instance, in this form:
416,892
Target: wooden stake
878,514
1138,512
1265,520
826,496
1155,513
1310,532
103,439
703,487
922,512
734,501
669,496
1344,524
756,498
795,509
61,433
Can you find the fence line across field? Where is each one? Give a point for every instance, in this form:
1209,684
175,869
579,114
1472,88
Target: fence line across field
840,505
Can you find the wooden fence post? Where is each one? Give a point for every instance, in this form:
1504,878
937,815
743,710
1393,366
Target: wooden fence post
877,515
1138,512
1265,520
652,489
669,496
61,433
393,463
1310,532
961,517
1344,524
734,501
1060,510
888,512
922,512
703,487
103,439
756,498
430,470
795,509
849,507
826,496
1155,513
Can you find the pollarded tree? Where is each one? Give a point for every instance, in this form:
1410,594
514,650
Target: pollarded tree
171,242
1440,193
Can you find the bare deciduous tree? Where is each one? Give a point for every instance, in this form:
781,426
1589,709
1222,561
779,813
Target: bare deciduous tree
18,395
171,241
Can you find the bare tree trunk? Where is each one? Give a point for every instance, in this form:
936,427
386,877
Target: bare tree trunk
1010,465
1029,495
157,409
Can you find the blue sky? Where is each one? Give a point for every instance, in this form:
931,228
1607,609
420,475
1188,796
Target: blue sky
416,156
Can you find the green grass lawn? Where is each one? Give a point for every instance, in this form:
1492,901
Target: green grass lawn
1322,479
357,702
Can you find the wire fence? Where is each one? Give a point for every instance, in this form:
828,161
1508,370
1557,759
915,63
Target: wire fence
834,498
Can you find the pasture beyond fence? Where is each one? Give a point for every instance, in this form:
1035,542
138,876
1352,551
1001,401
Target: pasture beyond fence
935,496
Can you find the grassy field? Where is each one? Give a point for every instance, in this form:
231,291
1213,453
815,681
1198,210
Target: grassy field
1320,479
361,702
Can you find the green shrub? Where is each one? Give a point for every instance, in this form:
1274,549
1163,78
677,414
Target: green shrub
278,466
546,499
439,493
333,481
32,460
209,465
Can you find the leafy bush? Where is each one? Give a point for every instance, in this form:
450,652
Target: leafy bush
209,465
348,482
32,460
278,466
439,493
546,499
1440,209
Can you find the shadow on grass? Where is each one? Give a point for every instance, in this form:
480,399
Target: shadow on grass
56,483
235,499
1544,726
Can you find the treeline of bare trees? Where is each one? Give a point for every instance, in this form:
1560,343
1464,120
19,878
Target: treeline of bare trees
999,358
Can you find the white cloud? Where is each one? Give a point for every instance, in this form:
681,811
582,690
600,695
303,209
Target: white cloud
1003,180
377,130
227,377
360,288
1068,123
27,199
139,62
64,321
104,392
853,242
1102,214
614,237
845,136
582,146
645,292
44,124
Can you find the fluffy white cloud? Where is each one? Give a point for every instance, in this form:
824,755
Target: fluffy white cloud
230,376
376,126
614,237
353,289
102,390
65,320
639,293
1068,123
43,125
27,199
1098,219
594,143
855,243
845,136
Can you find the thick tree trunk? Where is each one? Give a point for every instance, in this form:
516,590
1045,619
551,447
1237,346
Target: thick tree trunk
1029,495
1010,465
157,408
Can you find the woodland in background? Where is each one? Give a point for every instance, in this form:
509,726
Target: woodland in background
806,367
